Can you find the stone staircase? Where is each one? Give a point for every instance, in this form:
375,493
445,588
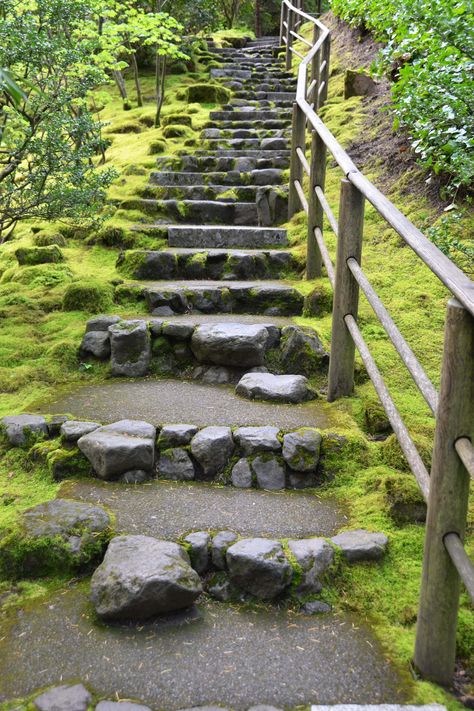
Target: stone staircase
221,210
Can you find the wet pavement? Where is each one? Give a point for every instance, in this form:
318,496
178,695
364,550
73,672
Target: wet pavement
215,653
178,401
170,509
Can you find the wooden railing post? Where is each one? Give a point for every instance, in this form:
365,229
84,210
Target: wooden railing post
298,140
315,210
315,64
435,647
346,291
282,18
324,74
289,38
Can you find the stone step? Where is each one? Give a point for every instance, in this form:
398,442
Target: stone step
240,144
214,264
245,133
248,115
278,124
271,298
232,178
280,97
170,400
242,153
219,236
196,211
244,161
221,193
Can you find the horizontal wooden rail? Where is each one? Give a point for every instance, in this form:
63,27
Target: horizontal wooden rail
398,426
303,160
325,255
327,209
465,450
301,39
301,195
461,561
410,360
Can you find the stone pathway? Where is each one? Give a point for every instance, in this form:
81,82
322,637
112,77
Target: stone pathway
221,209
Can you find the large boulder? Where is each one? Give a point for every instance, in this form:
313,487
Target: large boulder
95,343
234,344
270,472
361,545
259,566
175,463
301,449
212,448
301,351
121,447
257,439
278,388
314,556
130,348
141,577
64,698
59,535
21,429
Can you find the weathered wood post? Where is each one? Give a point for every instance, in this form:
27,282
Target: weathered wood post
322,88
315,210
315,65
298,140
346,291
289,38
282,18
435,647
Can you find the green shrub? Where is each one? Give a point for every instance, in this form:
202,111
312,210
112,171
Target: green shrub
208,94
90,296
428,52
178,68
46,239
31,256
177,119
110,236
175,131
156,147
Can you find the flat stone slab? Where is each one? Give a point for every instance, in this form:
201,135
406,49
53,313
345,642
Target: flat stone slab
279,388
226,236
170,509
171,663
234,344
168,400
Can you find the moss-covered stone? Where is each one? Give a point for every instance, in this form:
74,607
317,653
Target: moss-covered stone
177,120
175,131
47,239
376,418
128,294
156,147
208,94
91,296
31,256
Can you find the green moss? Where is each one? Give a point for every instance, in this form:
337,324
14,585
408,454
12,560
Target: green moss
67,463
128,294
47,238
177,120
208,94
130,263
92,296
176,131
44,276
156,147
31,256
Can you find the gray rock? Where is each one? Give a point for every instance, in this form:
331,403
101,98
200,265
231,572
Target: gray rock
274,144
175,464
270,472
301,449
361,545
206,708
54,424
163,311
101,322
72,430
136,476
19,428
272,205
242,474
278,388
180,331
264,707
301,351
95,343
234,344
301,480
176,435
215,375
259,566
266,176
212,448
257,439
120,706
315,607
314,556
120,447
141,577
379,707
220,588
199,553
156,327
68,519
64,698
220,544
130,347
358,84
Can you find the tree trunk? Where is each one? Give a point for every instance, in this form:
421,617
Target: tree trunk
160,86
119,80
258,19
136,78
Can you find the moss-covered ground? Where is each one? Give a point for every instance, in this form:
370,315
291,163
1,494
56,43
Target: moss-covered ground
39,340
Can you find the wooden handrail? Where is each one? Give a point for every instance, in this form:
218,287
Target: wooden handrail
446,490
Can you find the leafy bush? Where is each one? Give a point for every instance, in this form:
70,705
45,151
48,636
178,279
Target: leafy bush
429,53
